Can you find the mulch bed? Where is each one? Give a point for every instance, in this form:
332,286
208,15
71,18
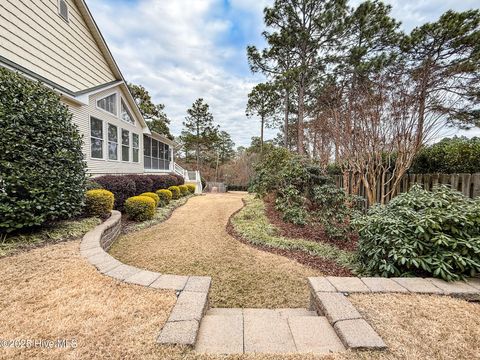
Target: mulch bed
327,267
307,232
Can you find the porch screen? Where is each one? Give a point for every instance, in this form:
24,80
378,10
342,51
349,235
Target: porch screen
156,154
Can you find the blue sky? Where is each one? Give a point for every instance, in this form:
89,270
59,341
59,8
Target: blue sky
181,50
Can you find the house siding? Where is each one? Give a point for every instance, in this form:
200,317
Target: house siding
81,117
35,36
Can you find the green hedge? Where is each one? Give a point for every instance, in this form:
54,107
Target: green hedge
140,208
42,168
98,202
422,233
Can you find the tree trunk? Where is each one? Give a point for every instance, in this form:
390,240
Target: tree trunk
198,148
287,105
261,134
301,106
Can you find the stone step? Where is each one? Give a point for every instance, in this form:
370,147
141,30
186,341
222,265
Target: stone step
262,312
273,331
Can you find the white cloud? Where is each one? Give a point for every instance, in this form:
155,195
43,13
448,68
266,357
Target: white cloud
181,50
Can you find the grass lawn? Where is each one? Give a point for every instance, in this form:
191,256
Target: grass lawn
194,241
48,234
51,292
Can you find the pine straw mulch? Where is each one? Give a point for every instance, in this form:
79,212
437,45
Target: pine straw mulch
327,267
308,232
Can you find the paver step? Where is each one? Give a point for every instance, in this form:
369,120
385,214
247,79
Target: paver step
262,312
273,331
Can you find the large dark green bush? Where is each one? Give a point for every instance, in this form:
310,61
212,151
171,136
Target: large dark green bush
449,156
422,233
42,171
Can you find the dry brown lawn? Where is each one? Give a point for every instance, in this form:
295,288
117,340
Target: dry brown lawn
194,241
52,293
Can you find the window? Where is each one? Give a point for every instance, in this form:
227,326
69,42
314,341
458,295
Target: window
63,9
108,104
96,138
147,152
156,154
112,142
125,145
135,147
126,116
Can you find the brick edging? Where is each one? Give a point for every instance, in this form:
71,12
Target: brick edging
328,297
192,291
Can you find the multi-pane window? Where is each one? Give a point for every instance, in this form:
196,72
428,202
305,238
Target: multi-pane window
112,142
125,145
108,104
156,154
135,147
126,116
96,138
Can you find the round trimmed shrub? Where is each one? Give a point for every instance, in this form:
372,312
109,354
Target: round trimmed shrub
184,190
42,168
140,208
422,233
121,186
191,188
152,195
98,202
165,196
175,192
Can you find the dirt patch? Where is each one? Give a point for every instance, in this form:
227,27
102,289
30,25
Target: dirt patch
308,232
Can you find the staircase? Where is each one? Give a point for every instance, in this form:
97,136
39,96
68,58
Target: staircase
238,331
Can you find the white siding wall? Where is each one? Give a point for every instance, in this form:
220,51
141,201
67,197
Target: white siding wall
33,35
81,116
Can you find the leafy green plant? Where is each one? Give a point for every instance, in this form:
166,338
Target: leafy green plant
98,202
165,196
191,188
175,190
331,210
42,170
292,205
140,208
424,233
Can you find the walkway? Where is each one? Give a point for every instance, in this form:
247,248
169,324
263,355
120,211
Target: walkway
194,241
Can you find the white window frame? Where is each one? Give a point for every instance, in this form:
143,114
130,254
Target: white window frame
109,141
116,104
127,110
102,139
128,146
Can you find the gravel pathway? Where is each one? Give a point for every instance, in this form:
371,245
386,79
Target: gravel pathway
194,241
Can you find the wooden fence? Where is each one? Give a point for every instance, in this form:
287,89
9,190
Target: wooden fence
467,184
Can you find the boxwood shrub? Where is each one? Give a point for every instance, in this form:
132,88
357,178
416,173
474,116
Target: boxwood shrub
153,196
165,196
140,208
121,186
191,188
42,169
184,190
175,192
422,233
98,202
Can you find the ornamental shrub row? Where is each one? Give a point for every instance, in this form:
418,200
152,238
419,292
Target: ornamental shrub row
126,186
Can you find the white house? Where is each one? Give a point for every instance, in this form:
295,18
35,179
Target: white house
58,43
